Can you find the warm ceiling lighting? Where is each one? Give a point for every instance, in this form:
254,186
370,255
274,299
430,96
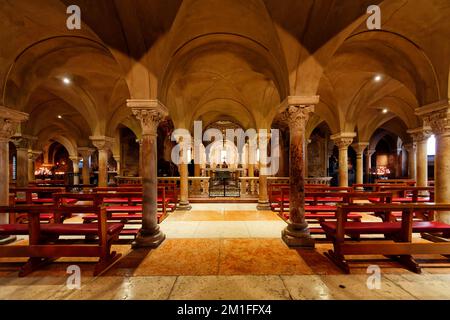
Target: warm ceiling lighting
385,110
59,116
377,78
66,80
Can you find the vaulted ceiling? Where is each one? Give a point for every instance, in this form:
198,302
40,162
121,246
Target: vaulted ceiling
214,60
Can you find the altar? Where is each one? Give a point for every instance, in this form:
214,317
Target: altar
224,182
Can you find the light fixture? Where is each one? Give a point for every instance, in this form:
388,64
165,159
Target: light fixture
377,78
385,110
59,116
66,81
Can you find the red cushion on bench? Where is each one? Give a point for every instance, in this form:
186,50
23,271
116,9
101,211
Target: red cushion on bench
124,209
320,208
115,200
14,229
79,229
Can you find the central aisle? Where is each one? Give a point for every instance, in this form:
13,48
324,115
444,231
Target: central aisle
223,220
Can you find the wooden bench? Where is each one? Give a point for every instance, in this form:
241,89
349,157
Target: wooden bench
398,242
44,245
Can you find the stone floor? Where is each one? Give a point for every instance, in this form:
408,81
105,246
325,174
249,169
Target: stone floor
224,251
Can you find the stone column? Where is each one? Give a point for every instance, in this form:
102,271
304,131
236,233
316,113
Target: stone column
343,140
9,122
437,117
295,111
150,113
263,195
196,185
369,154
32,157
117,158
411,149
22,146
76,169
359,149
86,172
420,137
103,145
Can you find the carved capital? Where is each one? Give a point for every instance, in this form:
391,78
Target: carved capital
296,116
102,142
420,134
86,152
410,147
150,113
360,147
343,140
34,154
9,122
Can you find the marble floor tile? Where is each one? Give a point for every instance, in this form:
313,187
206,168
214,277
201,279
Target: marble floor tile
182,257
230,288
354,287
223,229
265,229
259,257
307,287
420,286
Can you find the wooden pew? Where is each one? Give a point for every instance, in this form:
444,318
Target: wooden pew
398,243
44,245
407,182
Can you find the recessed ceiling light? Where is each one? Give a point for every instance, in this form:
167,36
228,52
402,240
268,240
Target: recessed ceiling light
377,78
66,80
59,116
385,110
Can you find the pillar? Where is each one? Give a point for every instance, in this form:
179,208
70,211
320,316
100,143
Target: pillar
343,141
118,168
103,145
86,172
22,146
150,113
359,149
196,183
411,149
420,137
369,154
32,157
437,118
9,121
76,169
295,111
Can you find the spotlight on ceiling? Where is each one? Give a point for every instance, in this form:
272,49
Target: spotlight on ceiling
377,78
385,110
59,116
66,80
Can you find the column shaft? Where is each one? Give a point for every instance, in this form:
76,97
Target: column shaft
22,167
102,168
442,174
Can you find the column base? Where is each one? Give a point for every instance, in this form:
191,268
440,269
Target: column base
297,236
7,239
184,206
147,240
263,206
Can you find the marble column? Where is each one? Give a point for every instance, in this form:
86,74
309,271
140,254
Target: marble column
420,137
295,111
369,154
343,141
86,172
359,149
411,149
32,157
76,169
22,146
437,118
150,113
103,145
196,183
9,122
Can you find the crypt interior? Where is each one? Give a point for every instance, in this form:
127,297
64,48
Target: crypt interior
89,119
